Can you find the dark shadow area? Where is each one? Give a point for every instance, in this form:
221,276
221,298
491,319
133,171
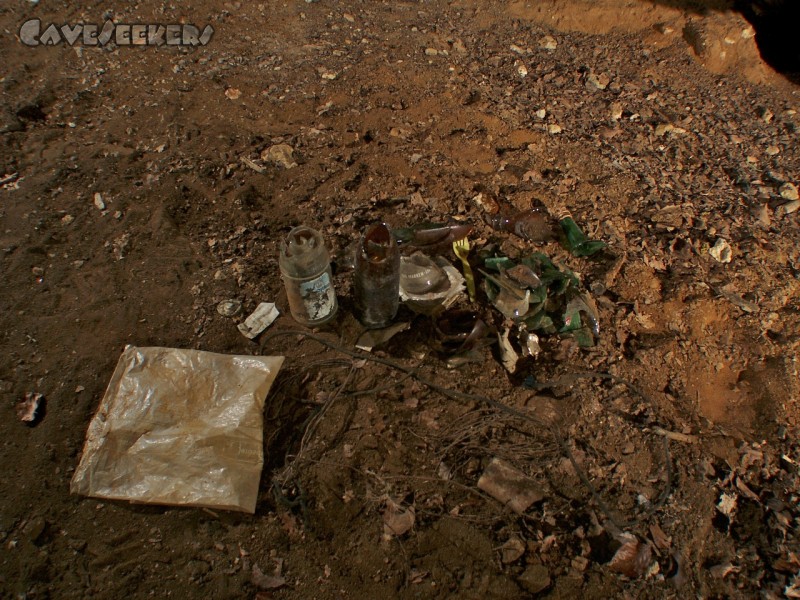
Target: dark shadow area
775,22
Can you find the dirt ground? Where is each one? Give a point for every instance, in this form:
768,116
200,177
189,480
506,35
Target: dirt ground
671,470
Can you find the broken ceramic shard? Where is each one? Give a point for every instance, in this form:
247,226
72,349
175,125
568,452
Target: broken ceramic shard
509,485
261,318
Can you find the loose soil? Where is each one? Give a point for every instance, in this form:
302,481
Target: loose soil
656,124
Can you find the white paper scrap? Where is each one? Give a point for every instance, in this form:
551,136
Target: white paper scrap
261,318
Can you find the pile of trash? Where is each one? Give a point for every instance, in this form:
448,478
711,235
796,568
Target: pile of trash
531,296
202,412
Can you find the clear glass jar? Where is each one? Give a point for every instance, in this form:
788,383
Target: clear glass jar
306,272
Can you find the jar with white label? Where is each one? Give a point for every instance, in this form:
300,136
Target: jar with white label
306,272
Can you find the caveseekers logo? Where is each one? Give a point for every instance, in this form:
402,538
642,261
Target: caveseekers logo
32,34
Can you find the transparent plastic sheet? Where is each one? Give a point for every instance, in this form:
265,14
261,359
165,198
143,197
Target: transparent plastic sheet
179,427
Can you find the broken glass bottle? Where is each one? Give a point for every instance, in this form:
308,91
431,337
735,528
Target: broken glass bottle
376,283
534,224
575,240
431,237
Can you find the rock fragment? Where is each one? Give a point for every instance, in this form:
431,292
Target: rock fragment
721,251
281,155
535,579
788,191
548,42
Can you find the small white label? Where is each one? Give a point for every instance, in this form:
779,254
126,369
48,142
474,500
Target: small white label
318,296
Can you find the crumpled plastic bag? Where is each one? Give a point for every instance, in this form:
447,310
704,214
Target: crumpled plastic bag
179,427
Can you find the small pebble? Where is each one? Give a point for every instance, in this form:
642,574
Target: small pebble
548,43
788,191
553,128
580,563
35,528
535,578
721,251
772,150
98,201
790,207
598,82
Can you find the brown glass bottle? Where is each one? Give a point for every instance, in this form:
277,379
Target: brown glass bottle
376,283
534,224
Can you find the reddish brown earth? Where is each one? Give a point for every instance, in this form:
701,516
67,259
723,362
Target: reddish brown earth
662,132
